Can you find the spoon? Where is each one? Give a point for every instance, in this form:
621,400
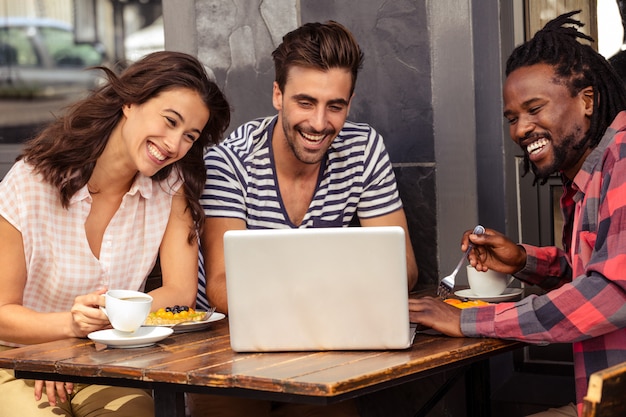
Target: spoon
209,313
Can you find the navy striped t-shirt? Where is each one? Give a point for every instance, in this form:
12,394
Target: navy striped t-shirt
355,178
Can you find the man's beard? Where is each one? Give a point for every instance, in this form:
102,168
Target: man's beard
301,155
559,156
566,153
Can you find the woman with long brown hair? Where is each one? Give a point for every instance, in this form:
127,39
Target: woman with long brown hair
90,204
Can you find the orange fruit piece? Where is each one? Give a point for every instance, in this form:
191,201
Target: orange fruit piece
465,304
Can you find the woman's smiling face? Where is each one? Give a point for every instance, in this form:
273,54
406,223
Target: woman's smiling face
546,120
161,131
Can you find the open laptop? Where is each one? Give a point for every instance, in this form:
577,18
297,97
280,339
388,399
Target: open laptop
317,289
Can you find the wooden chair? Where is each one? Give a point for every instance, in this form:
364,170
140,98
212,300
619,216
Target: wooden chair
606,393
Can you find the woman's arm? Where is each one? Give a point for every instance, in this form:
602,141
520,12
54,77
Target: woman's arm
19,324
179,259
213,250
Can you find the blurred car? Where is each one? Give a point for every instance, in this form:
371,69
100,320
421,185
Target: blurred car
39,57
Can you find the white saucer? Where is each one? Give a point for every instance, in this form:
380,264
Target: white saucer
144,336
508,294
192,325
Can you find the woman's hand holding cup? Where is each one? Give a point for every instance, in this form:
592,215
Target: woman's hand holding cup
126,309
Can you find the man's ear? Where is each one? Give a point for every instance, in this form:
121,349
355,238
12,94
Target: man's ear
277,97
587,95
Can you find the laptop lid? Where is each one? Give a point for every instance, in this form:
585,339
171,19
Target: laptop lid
317,289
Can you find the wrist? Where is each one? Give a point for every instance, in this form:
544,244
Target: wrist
521,263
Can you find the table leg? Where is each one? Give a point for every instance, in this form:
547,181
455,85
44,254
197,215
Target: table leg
168,402
439,394
478,389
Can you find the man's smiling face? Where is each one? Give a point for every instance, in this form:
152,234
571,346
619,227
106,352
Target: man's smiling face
312,110
546,120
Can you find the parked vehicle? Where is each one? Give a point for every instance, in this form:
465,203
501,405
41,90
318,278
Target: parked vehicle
39,57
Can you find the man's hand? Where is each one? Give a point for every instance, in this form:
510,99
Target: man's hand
493,250
434,313
54,390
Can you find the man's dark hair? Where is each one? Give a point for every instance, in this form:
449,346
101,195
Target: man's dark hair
320,46
579,66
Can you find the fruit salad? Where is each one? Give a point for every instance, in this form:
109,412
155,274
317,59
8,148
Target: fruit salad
174,315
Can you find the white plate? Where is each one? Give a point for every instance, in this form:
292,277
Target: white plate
144,336
508,294
193,325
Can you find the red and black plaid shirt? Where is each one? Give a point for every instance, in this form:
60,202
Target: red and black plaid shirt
587,301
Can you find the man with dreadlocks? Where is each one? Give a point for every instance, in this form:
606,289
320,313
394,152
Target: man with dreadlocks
566,108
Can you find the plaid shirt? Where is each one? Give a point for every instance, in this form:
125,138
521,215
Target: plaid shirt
587,303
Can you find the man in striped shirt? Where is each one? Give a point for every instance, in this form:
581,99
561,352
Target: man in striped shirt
566,108
306,166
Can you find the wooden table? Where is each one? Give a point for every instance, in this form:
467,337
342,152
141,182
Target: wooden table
202,361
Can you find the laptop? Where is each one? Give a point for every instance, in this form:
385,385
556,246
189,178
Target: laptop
317,289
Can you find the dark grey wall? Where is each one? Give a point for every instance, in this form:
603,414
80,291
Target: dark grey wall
430,85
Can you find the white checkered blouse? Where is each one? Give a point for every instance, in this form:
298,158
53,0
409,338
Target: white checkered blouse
59,261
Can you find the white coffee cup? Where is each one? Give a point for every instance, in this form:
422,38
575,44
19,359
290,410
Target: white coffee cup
487,284
127,309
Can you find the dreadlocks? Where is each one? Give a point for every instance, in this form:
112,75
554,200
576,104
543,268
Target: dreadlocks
580,66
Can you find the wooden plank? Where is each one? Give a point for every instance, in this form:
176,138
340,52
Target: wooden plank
605,394
334,373
47,354
270,371
133,363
